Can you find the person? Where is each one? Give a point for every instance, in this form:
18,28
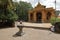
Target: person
52,29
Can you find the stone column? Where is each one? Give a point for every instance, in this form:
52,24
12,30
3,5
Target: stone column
34,17
43,17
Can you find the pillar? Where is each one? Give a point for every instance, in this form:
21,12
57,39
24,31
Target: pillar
34,17
43,17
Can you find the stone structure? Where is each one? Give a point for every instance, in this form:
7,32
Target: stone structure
41,14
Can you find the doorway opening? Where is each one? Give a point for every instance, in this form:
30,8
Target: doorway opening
39,17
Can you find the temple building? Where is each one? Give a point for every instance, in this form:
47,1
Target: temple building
41,14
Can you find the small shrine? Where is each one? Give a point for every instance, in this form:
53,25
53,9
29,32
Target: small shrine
41,14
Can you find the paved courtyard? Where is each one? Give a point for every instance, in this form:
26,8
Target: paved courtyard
29,34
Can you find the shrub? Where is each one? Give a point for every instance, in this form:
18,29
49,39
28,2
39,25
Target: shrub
53,20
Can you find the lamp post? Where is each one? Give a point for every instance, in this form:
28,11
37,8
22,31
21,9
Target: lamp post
53,28
57,24
55,5
55,11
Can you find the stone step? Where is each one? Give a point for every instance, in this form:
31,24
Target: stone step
37,25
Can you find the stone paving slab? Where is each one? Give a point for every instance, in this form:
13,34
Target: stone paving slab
30,34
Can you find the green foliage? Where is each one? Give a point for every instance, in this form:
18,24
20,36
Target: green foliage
7,12
2,16
22,9
11,15
58,20
53,20
3,1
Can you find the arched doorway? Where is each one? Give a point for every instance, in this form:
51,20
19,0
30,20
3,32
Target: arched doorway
39,17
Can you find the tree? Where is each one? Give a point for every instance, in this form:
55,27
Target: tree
22,9
7,11
3,6
11,15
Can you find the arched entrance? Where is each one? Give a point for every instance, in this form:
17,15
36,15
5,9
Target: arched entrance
39,17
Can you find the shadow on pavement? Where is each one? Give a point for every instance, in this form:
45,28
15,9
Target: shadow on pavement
18,34
15,35
2,27
56,32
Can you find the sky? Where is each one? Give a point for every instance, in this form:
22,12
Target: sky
47,3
